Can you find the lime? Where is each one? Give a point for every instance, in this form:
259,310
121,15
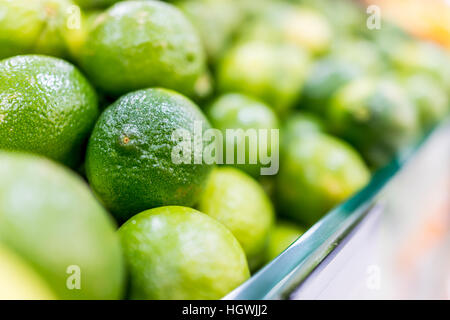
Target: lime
240,203
49,217
298,25
38,26
130,160
140,44
415,56
317,172
300,124
180,253
388,38
282,236
91,4
430,98
216,22
360,53
46,107
235,111
345,17
76,36
325,78
376,116
19,281
274,73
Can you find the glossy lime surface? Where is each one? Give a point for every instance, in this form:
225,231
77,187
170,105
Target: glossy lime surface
46,107
135,159
140,44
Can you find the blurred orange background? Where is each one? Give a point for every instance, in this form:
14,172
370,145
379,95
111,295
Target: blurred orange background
427,19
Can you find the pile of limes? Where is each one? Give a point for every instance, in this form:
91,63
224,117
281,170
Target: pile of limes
107,115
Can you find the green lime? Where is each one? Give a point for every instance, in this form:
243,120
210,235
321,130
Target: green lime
422,57
282,236
235,111
216,22
46,107
298,25
274,73
376,116
76,36
132,157
388,37
140,44
325,78
50,218
180,253
19,281
20,26
317,172
430,98
240,203
39,26
345,17
301,123
359,53
92,4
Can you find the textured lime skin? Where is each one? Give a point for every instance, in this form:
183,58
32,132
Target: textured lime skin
180,253
317,172
376,116
240,203
282,236
140,44
275,73
298,25
49,217
46,107
38,26
216,22
129,157
19,281
237,111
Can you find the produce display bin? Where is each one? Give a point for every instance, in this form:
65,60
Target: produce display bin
390,240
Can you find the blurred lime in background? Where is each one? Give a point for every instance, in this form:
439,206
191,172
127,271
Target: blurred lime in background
376,115
281,22
316,173
274,73
234,111
52,27
216,22
240,204
282,236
